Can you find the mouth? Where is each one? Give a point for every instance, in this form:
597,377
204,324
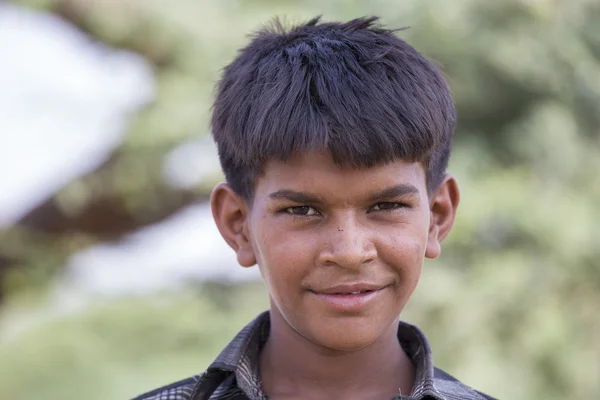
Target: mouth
349,298
357,292
347,293
348,289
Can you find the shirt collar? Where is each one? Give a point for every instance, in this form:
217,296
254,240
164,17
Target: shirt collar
242,354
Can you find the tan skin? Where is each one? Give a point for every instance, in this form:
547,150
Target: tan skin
313,225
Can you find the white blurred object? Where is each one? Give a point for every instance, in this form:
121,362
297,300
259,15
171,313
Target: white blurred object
186,247
191,162
64,103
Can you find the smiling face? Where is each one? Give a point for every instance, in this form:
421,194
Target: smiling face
340,249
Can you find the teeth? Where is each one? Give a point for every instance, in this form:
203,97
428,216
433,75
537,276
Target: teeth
357,292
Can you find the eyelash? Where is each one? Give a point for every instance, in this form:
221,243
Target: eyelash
397,206
288,210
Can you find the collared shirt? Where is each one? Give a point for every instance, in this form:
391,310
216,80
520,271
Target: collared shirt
234,375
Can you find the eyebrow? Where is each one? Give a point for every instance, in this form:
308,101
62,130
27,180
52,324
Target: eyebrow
307,197
395,191
298,197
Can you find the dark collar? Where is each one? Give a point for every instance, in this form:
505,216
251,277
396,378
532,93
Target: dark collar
241,357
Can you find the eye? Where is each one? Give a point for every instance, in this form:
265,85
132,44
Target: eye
387,206
303,211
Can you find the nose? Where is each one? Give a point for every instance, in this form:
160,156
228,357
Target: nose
347,244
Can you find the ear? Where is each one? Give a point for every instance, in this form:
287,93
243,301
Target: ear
230,213
443,205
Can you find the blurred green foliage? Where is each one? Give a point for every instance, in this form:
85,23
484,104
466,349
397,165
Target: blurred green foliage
120,348
512,305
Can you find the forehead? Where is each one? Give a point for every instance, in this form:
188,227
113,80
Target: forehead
316,171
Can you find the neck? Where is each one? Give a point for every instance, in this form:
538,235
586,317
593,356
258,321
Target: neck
293,367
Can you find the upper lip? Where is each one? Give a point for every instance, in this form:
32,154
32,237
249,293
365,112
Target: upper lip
350,288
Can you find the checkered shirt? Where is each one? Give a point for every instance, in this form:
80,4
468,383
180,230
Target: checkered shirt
234,374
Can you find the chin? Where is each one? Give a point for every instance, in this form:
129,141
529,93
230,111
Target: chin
348,338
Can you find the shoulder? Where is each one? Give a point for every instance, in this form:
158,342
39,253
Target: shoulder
453,389
180,390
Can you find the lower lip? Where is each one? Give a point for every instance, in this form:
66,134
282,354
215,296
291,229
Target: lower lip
349,302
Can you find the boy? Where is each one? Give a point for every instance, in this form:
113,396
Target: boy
334,139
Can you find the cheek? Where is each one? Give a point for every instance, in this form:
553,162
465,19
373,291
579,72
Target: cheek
283,258
406,252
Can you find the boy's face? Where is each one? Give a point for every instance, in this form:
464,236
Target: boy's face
340,249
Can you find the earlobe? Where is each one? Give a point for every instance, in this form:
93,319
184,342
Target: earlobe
434,247
443,206
230,212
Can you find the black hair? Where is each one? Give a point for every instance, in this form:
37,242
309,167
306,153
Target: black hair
353,89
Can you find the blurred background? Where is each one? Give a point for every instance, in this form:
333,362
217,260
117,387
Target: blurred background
110,265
